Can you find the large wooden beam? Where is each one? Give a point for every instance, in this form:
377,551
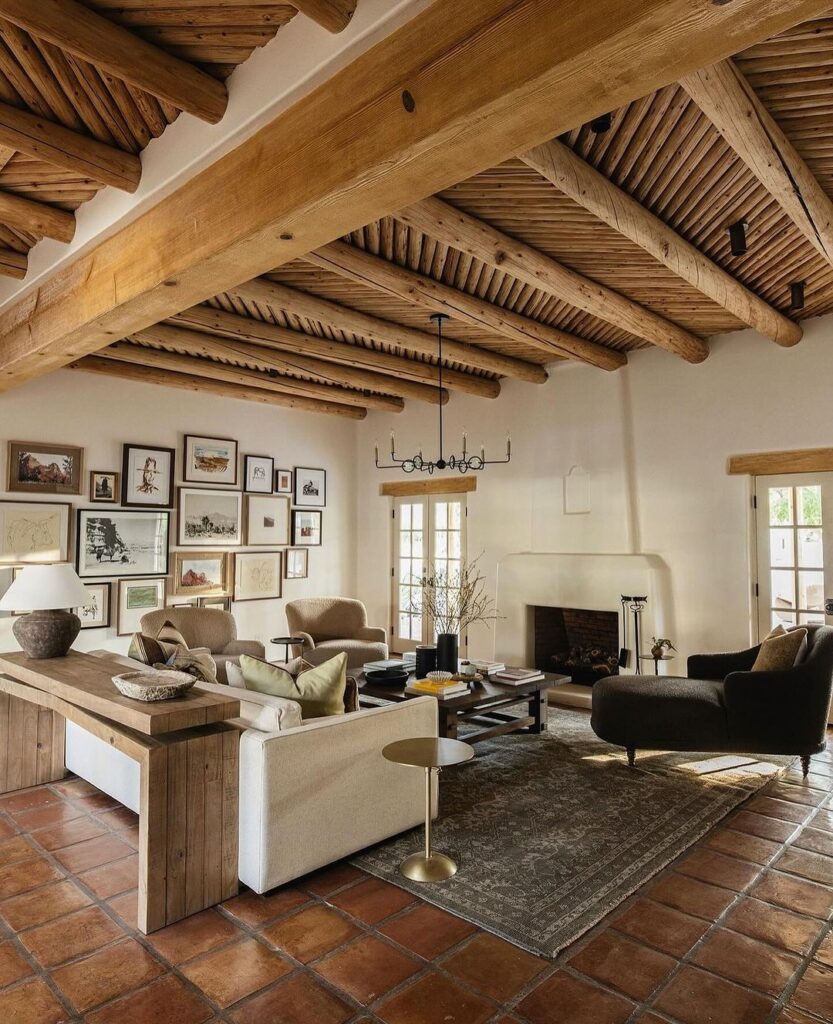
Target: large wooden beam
730,103
333,15
343,318
75,28
480,240
211,386
36,218
371,271
438,100
590,189
13,264
52,142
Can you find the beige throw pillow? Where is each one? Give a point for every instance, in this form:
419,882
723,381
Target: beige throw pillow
319,690
169,634
779,653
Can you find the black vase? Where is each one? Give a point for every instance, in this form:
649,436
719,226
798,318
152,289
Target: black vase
447,652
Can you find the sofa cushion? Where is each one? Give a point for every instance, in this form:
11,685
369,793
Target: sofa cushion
169,634
319,690
781,652
196,662
149,650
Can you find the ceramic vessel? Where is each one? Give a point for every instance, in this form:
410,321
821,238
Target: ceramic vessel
152,685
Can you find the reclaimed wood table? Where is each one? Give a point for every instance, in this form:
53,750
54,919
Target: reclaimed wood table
188,762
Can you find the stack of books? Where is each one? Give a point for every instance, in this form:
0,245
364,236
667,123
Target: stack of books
518,676
409,658
384,666
450,688
488,667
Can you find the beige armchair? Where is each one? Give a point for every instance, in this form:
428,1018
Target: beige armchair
206,627
330,625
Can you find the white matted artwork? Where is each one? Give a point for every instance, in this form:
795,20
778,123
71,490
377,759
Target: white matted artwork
267,519
95,614
296,563
122,543
220,604
257,575
258,474
209,517
34,532
147,476
310,486
306,527
137,598
210,460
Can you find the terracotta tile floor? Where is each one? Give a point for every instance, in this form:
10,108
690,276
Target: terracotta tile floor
739,930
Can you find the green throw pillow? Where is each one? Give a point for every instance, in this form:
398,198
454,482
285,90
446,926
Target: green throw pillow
319,691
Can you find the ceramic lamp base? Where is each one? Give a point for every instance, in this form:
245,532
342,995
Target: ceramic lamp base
47,634
436,868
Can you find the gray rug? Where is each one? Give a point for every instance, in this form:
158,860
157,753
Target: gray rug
553,832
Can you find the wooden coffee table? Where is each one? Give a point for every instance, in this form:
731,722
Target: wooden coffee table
485,704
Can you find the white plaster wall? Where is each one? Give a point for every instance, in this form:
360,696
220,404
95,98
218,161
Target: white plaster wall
99,414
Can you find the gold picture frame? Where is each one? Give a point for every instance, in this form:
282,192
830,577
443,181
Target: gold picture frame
40,467
213,566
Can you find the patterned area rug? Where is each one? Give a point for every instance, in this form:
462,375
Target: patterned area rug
553,832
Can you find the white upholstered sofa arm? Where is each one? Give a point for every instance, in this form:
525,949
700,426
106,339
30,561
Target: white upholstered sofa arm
259,710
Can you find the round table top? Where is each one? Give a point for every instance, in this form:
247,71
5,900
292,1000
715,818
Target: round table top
428,752
287,640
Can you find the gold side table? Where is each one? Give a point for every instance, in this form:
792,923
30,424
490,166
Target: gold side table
433,754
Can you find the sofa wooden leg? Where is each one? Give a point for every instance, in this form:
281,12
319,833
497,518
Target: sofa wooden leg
631,756
805,764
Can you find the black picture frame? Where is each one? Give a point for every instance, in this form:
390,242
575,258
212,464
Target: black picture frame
187,469
298,498
296,536
108,588
112,567
125,476
269,474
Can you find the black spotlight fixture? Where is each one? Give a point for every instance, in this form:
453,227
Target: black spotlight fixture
797,295
600,125
737,237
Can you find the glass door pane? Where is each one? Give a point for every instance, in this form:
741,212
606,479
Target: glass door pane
409,518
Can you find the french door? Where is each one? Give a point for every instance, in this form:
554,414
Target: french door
429,542
794,516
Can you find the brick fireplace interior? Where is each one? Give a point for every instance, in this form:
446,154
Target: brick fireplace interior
578,642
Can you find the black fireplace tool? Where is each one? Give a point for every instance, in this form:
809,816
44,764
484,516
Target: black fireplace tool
624,653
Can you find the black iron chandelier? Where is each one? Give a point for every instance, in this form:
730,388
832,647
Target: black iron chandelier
463,462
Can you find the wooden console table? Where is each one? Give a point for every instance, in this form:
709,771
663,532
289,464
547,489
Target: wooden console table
188,762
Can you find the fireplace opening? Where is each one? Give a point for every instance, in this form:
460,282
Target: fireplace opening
577,642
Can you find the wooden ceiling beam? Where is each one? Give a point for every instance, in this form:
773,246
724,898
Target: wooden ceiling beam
94,38
593,191
480,240
13,264
36,218
211,386
731,104
373,272
383,332
333,15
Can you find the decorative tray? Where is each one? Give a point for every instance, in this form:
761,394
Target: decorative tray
149,686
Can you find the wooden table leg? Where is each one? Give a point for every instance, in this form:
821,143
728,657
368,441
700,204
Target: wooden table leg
538,711
448,723
31,744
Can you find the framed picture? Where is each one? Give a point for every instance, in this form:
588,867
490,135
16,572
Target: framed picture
267,519
222,604
257,575
95,614
137,598
283,481
210,460
37,467
306,527
296,564
34,532
122,542
258,474
310,486
183,602
201,573
104,487
147,476
210,517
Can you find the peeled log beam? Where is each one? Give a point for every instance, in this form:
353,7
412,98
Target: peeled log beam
383,332
333,15
36,218
13,264
590,189
82,32
373,272
730,103
205,385
468,234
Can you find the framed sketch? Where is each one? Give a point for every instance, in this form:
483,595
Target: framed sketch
104,487
296,564
201,573
137,598
95,614
258,474
222,604
34,532
37,467
257,575
210,517
210,460
183,602
267,519
310,486
122,542
283,481
306,527
147,476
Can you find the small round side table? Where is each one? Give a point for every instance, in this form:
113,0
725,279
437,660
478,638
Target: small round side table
433,754
288,641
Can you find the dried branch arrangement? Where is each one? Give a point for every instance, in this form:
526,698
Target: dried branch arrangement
457,599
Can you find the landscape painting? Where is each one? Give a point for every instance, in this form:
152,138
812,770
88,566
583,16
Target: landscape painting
122,543
34,532
209,517
306,527
137,598
40,468
257,575
201,573
210,460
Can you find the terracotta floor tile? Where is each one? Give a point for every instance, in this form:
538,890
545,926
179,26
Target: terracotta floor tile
310,933
16,849
427,930
28,799
718,869
760,825
664,928
75,787
796,794
92,853
130,836
327,880
373,900
816,840
782,809
298,1000
740,844
823,819
127,907
256,910
106,974
562,999
228,975
192,936
12,965
68,937
162,1002
47,815
745,960
111,879
815,991
41,905
691,895
812,866
7,828
696,997
68,832
97,802
434,999
773,925
118,819
494,967
622,964
26,875
794,894
792,1015
31,1003
825,951
367,969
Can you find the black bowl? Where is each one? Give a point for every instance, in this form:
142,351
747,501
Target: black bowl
388,676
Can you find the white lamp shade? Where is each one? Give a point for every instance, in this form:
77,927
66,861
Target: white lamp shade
45,587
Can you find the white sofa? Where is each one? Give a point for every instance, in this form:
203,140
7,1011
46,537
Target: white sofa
310,793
